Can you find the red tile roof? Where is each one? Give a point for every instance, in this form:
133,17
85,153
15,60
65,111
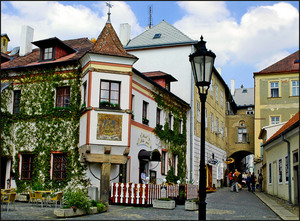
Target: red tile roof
159,74
285,127
287,64
81,45
108,43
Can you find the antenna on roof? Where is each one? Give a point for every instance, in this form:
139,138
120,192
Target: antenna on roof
109,7
150,16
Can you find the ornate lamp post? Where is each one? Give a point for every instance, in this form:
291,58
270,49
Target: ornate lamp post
202,62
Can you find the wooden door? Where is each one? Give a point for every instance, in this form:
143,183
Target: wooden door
209,176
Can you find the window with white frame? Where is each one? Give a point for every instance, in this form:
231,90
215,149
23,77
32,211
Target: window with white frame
63,96
274,89
174,164
163,162
170,121
145,113
286,169
242,135
275,120
180,126
212,122
222,98
222,129
280,170
16,104
217,125
295,88
132,106
158,113
217,93
270,173
198,112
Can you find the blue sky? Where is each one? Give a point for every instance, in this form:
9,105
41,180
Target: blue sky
246,36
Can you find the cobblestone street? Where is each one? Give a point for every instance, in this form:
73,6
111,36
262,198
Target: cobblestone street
221,205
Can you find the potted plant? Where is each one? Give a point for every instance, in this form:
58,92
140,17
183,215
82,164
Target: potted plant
76,203
164,203
192,204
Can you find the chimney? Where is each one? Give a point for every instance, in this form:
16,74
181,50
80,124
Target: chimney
125,30
26,39
232,86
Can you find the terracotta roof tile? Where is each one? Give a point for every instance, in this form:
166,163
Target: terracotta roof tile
108,43
81,45
287,64
286,126
159,74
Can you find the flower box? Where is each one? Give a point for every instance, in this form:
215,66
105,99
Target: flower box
93,210
164,204
69,212
191,206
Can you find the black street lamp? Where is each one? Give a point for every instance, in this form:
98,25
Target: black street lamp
202,62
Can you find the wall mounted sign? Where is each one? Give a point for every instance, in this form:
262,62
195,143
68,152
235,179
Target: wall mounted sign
109,127
144,139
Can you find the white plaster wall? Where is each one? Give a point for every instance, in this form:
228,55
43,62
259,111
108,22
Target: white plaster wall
124,88
174,61
210,149
82,130
93,129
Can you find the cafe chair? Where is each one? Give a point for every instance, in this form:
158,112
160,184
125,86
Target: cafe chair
10,200
39,197
32,198
56,198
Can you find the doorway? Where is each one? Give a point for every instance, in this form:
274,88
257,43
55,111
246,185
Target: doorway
3,171
209,176
143,166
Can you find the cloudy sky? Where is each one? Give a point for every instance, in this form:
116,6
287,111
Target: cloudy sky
246,36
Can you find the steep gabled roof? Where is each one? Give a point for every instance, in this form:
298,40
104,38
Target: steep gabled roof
108,43
288,64
293,122
162,34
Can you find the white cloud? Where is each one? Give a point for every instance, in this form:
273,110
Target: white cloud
52,18
264,31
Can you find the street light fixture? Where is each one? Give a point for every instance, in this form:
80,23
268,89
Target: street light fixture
202,62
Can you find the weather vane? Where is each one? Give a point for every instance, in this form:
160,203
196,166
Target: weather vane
109,7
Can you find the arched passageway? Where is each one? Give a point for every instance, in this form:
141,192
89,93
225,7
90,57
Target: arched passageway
239,162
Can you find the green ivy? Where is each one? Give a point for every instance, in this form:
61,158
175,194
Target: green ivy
40,127
174,141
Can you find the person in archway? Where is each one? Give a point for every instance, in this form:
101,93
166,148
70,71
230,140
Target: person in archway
260,181
248,181
253,182
230,178
143,176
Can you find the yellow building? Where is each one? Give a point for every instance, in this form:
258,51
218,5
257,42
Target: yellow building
4,42
276,98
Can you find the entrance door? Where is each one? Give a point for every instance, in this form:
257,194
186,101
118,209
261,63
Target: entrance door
3,171
143,166
209,176
274,179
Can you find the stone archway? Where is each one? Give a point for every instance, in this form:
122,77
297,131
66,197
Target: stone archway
238,157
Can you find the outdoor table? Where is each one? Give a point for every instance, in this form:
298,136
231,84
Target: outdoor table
47,193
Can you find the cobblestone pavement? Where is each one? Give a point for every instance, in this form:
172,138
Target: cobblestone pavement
221,205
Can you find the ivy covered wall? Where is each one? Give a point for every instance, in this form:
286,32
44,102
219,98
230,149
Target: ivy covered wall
40,128
174,141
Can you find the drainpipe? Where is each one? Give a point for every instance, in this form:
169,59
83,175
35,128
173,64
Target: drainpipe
289,168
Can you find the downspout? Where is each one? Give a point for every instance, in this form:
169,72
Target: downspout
289,168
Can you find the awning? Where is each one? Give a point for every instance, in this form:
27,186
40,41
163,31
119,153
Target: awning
149,155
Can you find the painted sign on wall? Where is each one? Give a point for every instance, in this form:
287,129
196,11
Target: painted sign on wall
109,127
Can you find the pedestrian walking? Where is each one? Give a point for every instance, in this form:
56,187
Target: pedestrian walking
253,182
260,181
230,178
235,181
248,181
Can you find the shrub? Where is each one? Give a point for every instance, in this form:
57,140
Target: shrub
101,207
76,198
93,203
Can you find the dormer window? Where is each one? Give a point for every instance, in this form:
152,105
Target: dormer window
48,54
52,49
157,35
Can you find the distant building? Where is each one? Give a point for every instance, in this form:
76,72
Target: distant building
276,99
4,42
